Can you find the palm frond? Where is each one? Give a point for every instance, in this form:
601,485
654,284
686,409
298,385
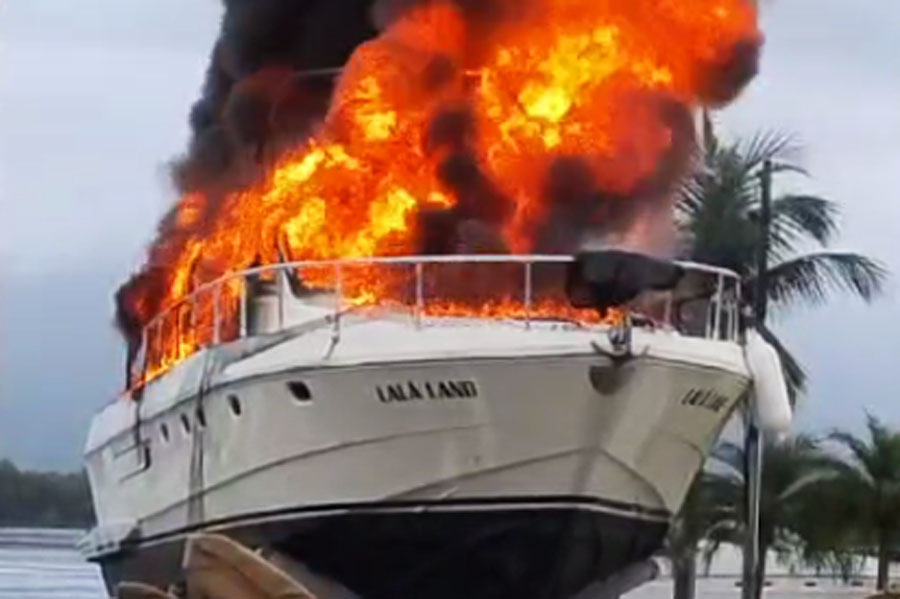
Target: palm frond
768,145
710,140
812,277
805,216
868,488
718,207
802,483
794,373
861,453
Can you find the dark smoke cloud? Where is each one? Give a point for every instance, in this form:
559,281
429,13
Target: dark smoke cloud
254,101
476,12
723,81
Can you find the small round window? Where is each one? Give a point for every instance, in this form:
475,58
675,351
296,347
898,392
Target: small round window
201,418
235,404
186,423
164,432
300,391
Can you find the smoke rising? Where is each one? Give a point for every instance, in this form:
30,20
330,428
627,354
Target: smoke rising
256,98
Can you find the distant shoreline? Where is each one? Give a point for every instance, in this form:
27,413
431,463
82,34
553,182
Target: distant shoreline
40,538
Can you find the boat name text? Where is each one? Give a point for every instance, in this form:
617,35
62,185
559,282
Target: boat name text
421,391
705,398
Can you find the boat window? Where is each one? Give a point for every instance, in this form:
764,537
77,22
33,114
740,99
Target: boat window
186,423
201,418
235,404
164,431
300,391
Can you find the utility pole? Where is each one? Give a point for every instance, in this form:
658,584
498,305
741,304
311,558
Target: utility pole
753,446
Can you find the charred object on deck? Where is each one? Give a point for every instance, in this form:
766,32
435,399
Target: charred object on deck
609,278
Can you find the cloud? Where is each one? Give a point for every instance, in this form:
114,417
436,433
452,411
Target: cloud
87,129
93,102
59,361
830,77
163,24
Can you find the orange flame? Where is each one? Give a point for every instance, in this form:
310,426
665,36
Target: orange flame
567,78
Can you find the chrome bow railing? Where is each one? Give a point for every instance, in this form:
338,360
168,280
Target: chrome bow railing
524,289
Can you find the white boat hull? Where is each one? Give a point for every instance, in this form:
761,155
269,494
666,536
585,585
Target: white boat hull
461,443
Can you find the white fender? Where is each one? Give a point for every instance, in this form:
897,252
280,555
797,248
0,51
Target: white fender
772,404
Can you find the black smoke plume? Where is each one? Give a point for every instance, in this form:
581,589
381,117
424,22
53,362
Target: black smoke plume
262,90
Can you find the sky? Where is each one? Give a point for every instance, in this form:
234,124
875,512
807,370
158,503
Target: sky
94,97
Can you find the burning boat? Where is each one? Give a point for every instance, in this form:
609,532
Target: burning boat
369,342
401,451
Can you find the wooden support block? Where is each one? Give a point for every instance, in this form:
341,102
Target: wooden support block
136,590
216,567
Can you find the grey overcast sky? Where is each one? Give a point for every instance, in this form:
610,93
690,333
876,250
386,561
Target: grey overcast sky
94,96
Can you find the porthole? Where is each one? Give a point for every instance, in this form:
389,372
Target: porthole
235,404
164,432
201,418
186,424
300,391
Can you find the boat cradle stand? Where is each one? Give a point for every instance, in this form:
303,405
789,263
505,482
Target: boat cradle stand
217,567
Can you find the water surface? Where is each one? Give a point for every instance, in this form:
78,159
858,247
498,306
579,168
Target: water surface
43,564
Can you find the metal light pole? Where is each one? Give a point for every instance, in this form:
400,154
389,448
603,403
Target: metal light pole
753,446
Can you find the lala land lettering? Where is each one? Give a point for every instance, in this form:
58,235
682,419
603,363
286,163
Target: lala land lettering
415,391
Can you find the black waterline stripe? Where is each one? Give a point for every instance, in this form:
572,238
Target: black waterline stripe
522,503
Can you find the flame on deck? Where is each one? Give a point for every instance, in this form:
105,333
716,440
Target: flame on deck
445,136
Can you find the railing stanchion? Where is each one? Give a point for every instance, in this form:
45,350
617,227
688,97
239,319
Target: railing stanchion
735,316
420,293
280,275
717,303
177,330
192,322
339,299
667,310
217,313
160,348
725,309
140,365
242,330
529,293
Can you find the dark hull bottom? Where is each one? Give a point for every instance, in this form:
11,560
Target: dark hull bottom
464,553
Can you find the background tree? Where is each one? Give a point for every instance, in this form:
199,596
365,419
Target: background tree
793,471
831,540
43,499
867,490
719,213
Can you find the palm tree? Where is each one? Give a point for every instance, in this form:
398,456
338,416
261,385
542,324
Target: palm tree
831,537
719,213
868,488
793,473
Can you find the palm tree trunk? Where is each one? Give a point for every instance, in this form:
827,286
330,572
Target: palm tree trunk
883,563
761,571
684,575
